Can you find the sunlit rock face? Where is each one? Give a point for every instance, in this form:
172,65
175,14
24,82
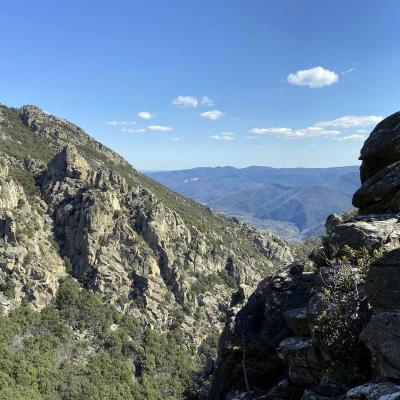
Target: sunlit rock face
71,206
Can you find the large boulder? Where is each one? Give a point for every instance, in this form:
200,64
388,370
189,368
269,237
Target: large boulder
302,357
382,147
371,232
383,282
380,193
380,155
381,336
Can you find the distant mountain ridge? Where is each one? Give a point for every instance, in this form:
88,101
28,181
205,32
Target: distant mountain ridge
293,202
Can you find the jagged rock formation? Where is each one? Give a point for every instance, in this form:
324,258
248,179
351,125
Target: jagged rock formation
69,205
264,317
30,265
340,338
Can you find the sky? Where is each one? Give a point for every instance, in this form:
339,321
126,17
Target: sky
176,84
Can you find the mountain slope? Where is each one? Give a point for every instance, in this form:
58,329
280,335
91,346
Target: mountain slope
269,197
69,206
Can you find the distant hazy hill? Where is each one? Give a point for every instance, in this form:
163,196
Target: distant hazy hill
291,201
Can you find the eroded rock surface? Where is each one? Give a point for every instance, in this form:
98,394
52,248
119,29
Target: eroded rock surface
69,205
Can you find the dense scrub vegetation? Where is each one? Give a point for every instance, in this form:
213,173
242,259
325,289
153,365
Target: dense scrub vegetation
81,348
346,312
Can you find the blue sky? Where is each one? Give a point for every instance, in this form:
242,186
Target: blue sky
224,82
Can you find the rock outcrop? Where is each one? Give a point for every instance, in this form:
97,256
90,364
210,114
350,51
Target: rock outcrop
340,339
261,333
30,265
380,168
71,206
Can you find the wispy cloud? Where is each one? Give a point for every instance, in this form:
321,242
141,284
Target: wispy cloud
185,101
351,121
227,136
191,101
314,77
213,115
207,101
145,115
151,128
356,136
175,139
311,131
120,123
349,70
159,128
133,130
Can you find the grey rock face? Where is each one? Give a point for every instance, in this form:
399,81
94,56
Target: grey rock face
301,356
371,232
382,337
378,193
382,147
379,170
30,265
383,282
262,316
73,206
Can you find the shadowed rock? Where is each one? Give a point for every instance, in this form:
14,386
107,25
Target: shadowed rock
382,147
380,155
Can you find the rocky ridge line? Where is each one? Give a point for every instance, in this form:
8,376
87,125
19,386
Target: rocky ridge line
69,205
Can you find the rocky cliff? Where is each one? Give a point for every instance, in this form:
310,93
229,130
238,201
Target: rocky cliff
331,332
71,206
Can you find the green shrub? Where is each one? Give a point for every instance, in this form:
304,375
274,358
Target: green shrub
80,348
345,314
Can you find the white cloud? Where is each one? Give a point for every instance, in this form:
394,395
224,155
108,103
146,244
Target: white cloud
207,101
175,139
351,137
186,101
120,123
274,131
311,131
324,128
352,121
133,130
314,77
213,115
227,136
145,115
159,128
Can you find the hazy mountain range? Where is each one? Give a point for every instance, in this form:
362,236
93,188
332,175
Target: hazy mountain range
294,202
